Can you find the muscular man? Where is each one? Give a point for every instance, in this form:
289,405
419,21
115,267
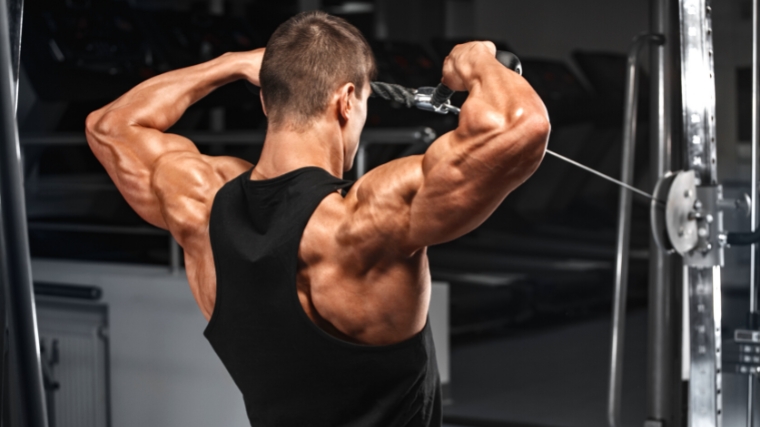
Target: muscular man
317,295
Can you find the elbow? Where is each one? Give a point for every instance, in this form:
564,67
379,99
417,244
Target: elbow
535,130
538,130
525,143
100,127
93,128
91,123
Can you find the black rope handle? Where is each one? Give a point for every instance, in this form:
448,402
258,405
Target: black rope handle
441,94
393,92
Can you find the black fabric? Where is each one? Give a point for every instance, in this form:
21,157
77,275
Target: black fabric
290,371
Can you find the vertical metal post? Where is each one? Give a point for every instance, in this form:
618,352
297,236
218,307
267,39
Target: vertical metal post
754,209
660,325
15,21
624,228
175,256
21,297
698,115
361,160
755,112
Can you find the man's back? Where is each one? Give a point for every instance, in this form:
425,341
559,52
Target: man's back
361,271
274,352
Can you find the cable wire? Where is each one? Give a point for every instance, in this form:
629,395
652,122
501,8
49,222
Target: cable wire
405,96
599,174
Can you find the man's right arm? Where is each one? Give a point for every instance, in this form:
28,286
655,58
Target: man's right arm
424,200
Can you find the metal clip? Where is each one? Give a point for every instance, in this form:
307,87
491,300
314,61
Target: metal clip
422,98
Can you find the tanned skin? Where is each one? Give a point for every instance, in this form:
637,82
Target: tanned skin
363,268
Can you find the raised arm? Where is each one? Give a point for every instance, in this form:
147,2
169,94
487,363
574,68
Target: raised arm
162,176
503,129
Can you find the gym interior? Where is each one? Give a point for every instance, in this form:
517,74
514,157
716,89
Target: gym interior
578,303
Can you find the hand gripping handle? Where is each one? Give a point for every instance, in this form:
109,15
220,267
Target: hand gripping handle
442,94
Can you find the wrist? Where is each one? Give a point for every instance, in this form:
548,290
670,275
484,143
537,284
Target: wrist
246,65
475,68
230,66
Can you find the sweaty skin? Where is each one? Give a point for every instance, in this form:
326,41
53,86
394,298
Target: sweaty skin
363,268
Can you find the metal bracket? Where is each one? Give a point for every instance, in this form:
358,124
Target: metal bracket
708,251
705,379
747,361
742,204
422,100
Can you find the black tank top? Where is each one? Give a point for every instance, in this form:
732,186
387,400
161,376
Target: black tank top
290,371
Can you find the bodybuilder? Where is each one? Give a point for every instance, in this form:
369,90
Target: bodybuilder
317,289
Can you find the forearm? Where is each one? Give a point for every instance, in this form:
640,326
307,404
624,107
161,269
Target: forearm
160,101
503,125
127,136
499,142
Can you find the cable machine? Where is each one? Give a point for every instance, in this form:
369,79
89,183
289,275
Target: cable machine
687,204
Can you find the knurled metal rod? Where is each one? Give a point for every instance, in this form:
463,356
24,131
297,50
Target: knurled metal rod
599,174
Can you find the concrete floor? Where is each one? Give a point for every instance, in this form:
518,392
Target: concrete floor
556,377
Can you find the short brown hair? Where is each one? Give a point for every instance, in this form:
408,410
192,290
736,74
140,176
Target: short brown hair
307,58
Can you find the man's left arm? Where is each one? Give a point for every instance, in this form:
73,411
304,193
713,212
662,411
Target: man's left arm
163,176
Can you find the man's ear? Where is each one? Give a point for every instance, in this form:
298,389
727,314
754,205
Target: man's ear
263,106
347,100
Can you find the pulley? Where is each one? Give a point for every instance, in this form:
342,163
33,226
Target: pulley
687,219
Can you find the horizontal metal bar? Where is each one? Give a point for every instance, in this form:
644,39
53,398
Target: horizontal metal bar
489,262
87,228
53,183
549,246
746,336
398,135
369,136
92,293
484,422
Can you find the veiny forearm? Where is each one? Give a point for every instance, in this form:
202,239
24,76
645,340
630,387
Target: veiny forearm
503,123
127,136
499,142
159,102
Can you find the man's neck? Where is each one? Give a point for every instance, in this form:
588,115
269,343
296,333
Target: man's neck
286,149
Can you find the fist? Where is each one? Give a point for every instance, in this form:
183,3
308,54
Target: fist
459,65
250,64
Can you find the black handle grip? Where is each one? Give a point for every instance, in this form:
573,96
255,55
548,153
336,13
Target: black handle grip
743,239
441,94
509,60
